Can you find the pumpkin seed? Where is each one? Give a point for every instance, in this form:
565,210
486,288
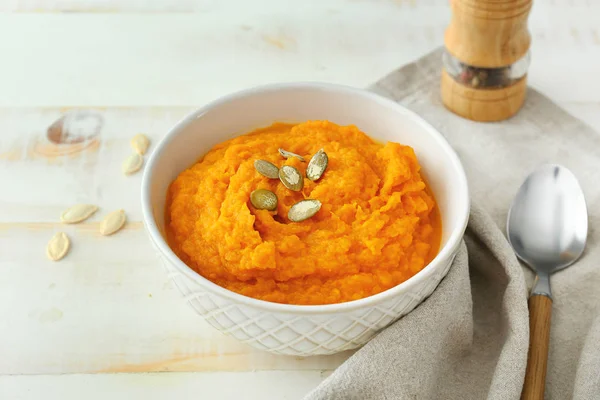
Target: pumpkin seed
112,222
78,213
291,178
267,169
132,163
140,143
58,246
263,199
317,165
304,209
287,154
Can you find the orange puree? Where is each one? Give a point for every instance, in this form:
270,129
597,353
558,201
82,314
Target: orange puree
377,227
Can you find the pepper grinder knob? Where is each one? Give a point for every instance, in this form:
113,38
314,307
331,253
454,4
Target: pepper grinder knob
484,77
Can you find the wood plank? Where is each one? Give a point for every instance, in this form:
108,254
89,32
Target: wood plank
261,385
45,178
153,6
182,59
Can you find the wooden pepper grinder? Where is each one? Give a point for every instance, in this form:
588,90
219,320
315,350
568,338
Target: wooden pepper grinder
486,58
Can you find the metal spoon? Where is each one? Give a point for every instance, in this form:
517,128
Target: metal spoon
547,228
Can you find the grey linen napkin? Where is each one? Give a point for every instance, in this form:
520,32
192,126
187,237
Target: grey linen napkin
469,339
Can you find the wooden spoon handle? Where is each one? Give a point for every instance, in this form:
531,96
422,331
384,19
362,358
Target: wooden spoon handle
540,310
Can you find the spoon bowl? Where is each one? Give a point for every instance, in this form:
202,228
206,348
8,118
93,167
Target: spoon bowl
547,223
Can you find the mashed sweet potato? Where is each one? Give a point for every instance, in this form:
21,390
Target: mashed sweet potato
377,227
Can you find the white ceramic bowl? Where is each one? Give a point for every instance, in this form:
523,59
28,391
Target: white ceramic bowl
293,329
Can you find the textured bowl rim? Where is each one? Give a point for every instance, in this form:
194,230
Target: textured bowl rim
445,253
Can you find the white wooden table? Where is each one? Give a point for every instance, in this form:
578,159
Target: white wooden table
104,322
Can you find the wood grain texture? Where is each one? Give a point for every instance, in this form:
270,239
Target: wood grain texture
258,385
540,312
485,33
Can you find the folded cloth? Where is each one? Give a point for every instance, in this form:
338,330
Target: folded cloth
469,339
